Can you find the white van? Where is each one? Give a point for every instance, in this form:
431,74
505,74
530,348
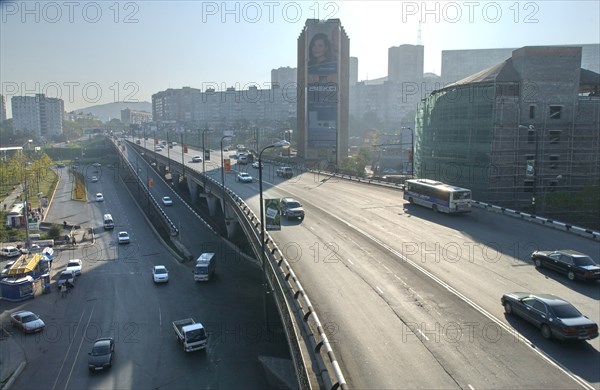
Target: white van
108,222
205,267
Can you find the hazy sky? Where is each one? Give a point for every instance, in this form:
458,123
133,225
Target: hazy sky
100,52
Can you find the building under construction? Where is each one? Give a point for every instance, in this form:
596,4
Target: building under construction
524,134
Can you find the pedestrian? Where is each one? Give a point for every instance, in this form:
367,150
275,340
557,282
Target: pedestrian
63,290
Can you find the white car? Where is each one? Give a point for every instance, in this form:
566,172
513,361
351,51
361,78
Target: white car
94,179
196,159
160,274
6,268
244,177
158,148
10,251
27,321
123,238
255,164
99,197
167,201
74,266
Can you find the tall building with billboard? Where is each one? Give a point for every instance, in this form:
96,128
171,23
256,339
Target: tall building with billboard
323,83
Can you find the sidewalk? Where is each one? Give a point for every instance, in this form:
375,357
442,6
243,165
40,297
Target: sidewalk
12,356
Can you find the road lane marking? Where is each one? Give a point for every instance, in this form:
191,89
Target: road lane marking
380,290
67,354
423,334
79,349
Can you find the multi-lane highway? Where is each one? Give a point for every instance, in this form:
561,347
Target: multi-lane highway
412,298
116,297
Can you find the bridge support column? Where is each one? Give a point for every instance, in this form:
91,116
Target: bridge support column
193,189
214,203
175,177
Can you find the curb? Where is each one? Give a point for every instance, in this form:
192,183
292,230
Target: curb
14,376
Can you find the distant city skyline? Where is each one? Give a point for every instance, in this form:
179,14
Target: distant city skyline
108,52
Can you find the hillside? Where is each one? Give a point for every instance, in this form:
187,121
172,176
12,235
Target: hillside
106,112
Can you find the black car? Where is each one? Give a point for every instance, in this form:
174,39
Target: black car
574,264
554,316
102,354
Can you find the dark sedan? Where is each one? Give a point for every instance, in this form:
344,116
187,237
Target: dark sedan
102,354
554,316
572,263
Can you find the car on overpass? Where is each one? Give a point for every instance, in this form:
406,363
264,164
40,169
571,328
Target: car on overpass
553,315
575,265
196,159
244,177
167,201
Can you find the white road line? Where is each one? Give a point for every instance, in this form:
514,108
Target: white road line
350,261
471,387
423,334
67,354
79,349
380,290
464,298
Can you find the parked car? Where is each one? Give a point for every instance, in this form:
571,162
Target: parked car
6,268
167,201
291,208
27,321
574,264
99,197
74,266
10,251
102,354
160,274
554,316
196,159
244,177
123,238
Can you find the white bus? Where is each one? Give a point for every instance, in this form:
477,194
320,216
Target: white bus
437,196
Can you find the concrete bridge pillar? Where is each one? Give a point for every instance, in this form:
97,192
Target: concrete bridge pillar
175,177
193,189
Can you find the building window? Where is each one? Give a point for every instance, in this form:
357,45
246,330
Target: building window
531,112
528,184
555,136
555,112
531,136
554,161
553,184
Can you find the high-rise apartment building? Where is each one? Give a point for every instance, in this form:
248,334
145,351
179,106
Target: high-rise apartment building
2,108
353,70
323,77
405,63
37,115
283,77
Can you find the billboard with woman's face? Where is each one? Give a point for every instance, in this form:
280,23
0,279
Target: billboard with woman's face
322,85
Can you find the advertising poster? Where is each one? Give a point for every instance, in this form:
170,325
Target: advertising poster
272,214
322,85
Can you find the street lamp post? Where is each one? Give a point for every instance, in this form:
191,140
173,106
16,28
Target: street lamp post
26,199
223,171
279,144
535,168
